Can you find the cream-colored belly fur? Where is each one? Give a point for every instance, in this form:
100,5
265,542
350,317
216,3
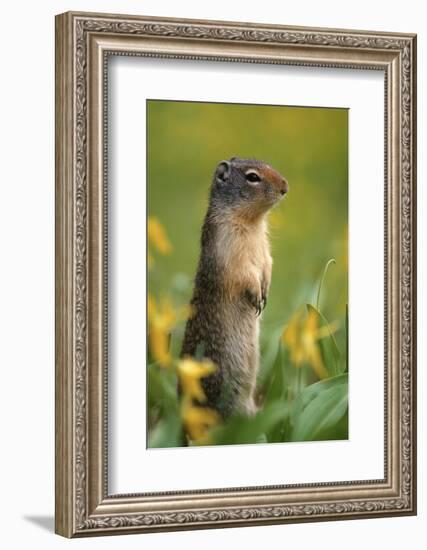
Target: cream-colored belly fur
243,252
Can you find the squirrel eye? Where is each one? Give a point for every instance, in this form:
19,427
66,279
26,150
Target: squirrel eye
253,177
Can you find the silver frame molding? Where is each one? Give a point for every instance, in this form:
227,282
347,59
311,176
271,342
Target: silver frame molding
83,43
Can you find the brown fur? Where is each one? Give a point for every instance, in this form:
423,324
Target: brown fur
232,282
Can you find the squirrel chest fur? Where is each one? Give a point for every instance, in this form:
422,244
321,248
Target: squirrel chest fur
232,281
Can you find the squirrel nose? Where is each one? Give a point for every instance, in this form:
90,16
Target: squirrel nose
285,187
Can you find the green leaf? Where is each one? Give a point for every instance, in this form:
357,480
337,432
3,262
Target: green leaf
244,430
167,433
262,439
277,384
269,354
277,393
319,412
162,384
328,346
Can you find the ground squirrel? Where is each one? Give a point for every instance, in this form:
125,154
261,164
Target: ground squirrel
232,281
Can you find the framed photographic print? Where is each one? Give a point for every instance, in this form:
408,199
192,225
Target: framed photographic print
235,274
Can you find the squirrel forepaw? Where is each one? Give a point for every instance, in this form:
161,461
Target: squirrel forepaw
257,301
264,293
264,299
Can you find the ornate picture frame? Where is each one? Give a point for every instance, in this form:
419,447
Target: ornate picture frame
83,43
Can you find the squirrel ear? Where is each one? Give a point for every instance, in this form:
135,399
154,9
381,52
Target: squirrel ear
222,172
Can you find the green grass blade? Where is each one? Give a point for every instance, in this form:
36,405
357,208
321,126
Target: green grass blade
319,410
327,344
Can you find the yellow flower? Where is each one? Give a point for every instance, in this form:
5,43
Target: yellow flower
292,338
161,320
150,260
159,346
151,307
198,421
157,236
302,336
190,373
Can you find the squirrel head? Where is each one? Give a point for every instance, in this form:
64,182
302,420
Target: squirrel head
248,187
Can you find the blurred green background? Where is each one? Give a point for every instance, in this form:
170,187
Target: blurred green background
309,146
